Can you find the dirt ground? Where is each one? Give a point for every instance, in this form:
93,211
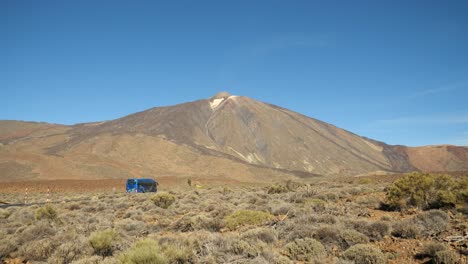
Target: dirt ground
100,185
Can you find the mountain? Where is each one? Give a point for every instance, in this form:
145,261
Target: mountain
225,136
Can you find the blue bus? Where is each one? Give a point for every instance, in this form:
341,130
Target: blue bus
141,185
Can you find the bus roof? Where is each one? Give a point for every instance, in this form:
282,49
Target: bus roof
142,179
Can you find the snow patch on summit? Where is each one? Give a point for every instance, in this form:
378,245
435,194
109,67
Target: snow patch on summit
215,103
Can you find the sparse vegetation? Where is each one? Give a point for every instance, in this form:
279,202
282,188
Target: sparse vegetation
46,212
163,200
425,190
365,254
145,251
327,222
307,249
103,242
246,217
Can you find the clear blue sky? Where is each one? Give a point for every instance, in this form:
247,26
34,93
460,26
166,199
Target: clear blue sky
395,71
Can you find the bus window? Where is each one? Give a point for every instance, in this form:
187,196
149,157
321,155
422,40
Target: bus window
131,182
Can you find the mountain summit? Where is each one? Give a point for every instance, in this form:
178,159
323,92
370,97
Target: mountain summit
224,136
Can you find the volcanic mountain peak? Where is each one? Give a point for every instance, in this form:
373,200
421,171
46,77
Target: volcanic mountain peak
221,95
218,98
223,136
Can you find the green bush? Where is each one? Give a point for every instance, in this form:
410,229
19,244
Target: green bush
146,251
103,242
307,249
424,190
163,200
246,217
365,254
46,212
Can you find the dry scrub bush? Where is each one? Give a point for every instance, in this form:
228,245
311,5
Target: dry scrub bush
352,237
46,212
433,222
130,227
365,254
168,250
70,251
7,246
264,234
370,201
163,200
425,190
374,230
146,251
445,257
38,230
4,214
277,188
438,253
307,249
103,242
247,217
38,249
406,229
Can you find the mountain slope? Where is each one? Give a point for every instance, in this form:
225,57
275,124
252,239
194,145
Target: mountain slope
224,136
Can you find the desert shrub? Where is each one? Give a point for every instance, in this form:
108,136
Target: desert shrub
103,242
214,224
7,246
70,251
89,260
423,190
38,230
131,227
246,217
352,237
277,188
370,201
280,208
328,196
307,249
240,247
430,249
46,212
445,257
178,253
295,230
406,229
374,230
365,254
366,181
146,251
4,213
73,206
266,235
163,200
328,235
293,185
432,222
38,249
377,230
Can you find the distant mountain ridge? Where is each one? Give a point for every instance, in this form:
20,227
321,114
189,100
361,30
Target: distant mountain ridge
226,136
